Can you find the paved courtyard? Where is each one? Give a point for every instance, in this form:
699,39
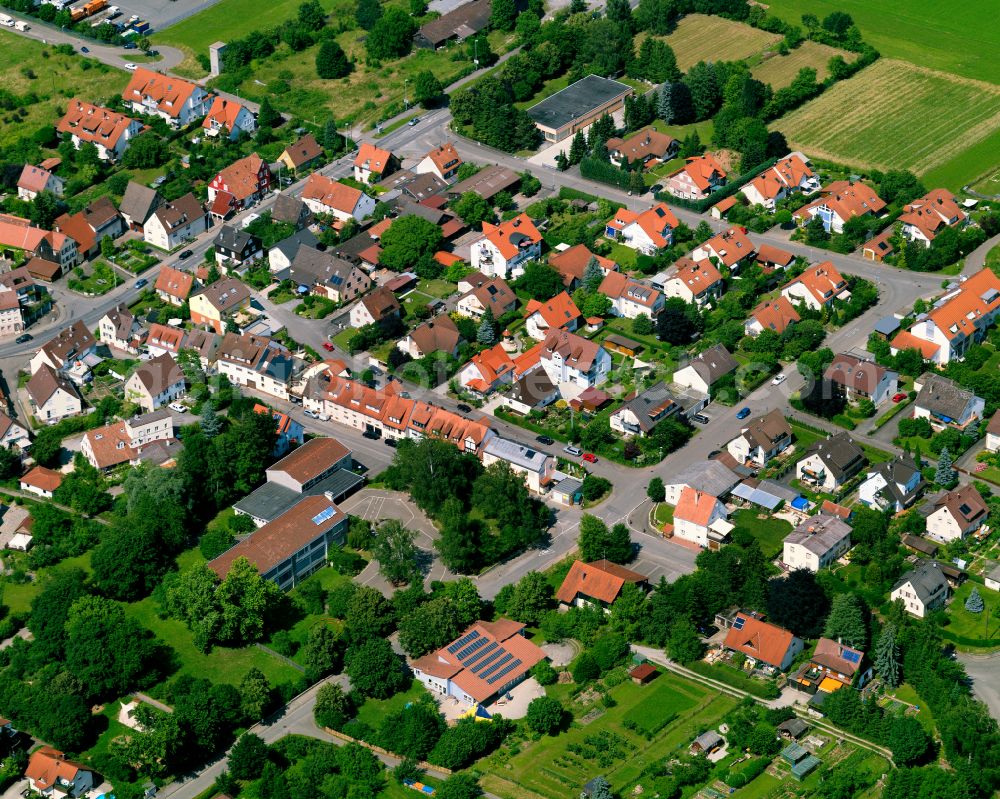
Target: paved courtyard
375,505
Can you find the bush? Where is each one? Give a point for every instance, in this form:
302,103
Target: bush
748,772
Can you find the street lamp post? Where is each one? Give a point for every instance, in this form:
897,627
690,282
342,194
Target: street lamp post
406,102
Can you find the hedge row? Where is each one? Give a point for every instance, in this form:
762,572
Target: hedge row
731,188
747,774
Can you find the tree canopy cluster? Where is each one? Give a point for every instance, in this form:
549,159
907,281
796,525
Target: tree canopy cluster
448,484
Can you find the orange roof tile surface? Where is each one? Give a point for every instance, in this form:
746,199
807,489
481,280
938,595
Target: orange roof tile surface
168,92
601,580
759,640
695,506
510,236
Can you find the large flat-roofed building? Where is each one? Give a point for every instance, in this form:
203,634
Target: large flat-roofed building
578,105
292,546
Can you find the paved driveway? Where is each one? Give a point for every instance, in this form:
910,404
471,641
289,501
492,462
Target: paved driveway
984,671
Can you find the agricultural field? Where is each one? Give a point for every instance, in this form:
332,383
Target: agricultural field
780,70
962,38
29,67
228,20
600,743
897,115
703,38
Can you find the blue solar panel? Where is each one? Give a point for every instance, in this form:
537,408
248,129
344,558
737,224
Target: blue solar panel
507,657
464,653
323,515
852,657
462,642
486,661
477,655
504,672
738,624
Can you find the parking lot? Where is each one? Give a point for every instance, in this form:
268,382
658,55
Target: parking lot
160,15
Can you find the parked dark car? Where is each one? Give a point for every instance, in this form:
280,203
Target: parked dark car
141,282
24,337
185,255
372,434
464,408
544,440
700,418
390,442
743,413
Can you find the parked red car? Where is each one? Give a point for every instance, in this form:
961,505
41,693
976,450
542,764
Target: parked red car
589,457
898,397
327,346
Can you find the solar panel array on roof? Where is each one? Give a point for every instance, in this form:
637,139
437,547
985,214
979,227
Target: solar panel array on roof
487,661
498,664
462,641
738,624
324,515
852,657
504,672
472,647
493,645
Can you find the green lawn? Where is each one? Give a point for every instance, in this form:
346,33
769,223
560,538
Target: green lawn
804,437
972,626
52,80
414,300
18,597
436,288
557,767
222,664
664,513
768,531
109,717
965,40
228,20
374,710
906,693
624,256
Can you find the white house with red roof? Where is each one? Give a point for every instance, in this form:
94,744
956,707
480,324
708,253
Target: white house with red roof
19,234
927,216
240,185
107,130
697,179
372,163
504,249
840,201
762,642
648,232
731,248
487,371
443,161
50,773
700,517
569,358
178,102
817,287
558,313
961,320
775,315
325,196
34,180
631,298
790,175
229,118
481,665
694,281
